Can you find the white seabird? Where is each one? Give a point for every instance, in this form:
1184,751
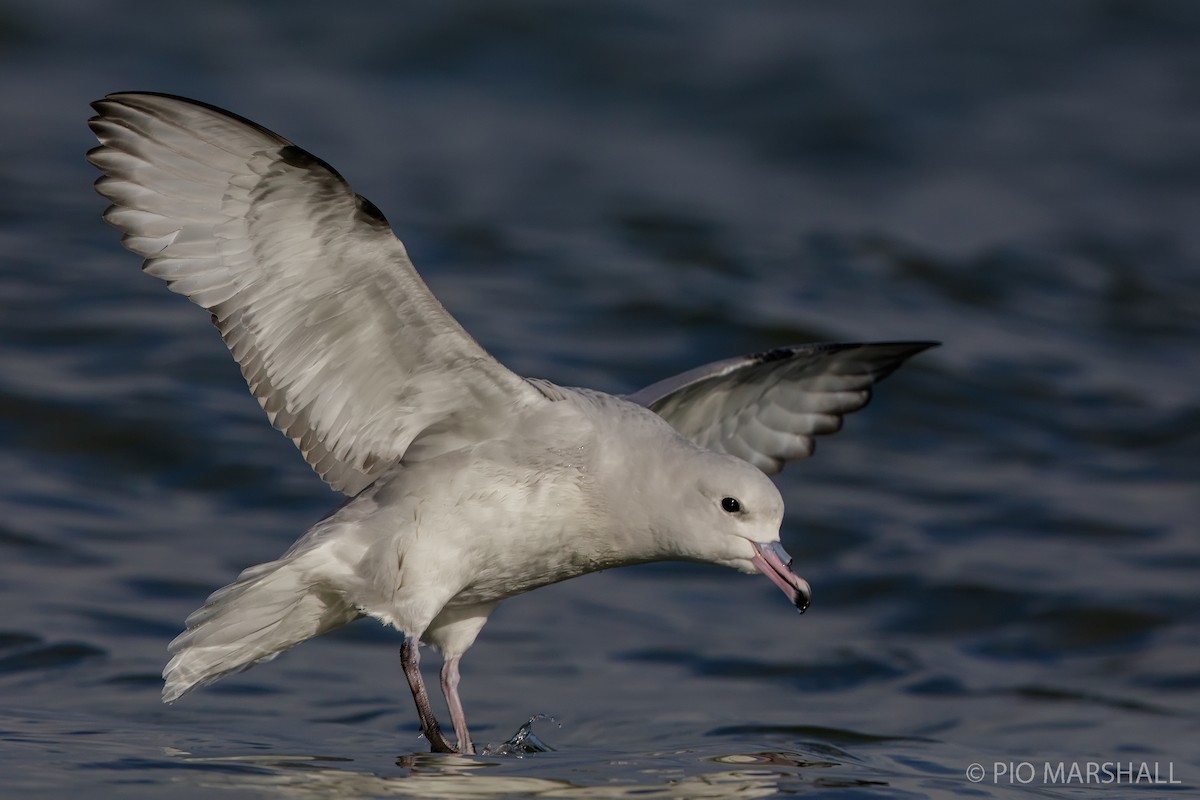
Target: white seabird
470,484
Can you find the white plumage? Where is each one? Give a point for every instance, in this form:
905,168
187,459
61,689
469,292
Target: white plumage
470,484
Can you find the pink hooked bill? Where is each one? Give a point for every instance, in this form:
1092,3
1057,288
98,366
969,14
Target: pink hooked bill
774,562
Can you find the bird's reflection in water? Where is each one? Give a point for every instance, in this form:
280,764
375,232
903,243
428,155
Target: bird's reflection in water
666,774
774,759
462,777
436,775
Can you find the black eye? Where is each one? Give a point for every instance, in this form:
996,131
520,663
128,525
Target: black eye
731,504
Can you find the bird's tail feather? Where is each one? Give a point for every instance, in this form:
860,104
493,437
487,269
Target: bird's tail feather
269,608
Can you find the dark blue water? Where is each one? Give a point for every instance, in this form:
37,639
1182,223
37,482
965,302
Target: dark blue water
1003,547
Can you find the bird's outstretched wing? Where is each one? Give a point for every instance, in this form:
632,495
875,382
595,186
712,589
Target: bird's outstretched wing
347,350
767,407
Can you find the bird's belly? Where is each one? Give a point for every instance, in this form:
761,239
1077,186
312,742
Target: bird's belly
507,574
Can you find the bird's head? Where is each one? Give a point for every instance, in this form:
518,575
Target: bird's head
733,516
704,506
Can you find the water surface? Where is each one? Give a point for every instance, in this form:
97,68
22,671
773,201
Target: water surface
1003,546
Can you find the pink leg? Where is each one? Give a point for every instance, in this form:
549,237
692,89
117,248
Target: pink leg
450,690
410,659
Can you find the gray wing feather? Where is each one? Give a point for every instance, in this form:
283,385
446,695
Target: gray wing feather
347,350
767,407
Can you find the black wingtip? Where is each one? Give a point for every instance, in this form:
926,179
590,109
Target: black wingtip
902,351
913,348
892,355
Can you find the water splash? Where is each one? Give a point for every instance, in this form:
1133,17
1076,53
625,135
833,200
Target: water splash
524,741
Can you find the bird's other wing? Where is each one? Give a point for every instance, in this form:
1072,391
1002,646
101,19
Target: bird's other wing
346,349
767,407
